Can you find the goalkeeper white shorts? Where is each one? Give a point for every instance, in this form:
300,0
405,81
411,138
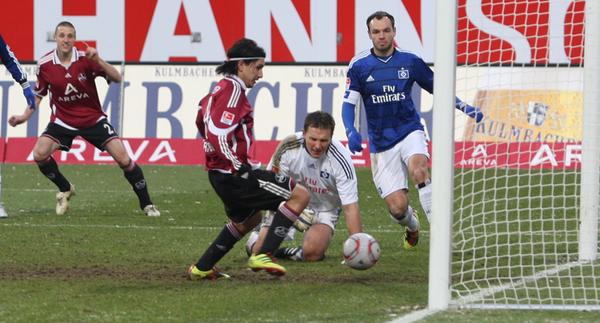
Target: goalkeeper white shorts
390,167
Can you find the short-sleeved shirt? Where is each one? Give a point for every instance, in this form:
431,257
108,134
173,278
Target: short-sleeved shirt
384,85
74,97
331,178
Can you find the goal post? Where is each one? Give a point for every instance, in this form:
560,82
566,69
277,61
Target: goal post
516,197
443,149
590,163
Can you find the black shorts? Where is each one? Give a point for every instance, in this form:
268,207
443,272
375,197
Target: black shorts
98,134
242,199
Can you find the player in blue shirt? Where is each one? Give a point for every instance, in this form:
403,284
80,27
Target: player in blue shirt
12,64
382,78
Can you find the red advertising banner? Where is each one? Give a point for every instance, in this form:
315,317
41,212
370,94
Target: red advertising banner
522,31
524,155
521,155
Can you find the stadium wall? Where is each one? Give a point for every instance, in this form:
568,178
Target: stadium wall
160,106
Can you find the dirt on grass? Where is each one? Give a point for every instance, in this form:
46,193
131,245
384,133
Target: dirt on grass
170,274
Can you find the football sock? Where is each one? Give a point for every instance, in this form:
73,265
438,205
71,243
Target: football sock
408,219
251,242
282,221
425,197
49,168
293,253
134,175
219,248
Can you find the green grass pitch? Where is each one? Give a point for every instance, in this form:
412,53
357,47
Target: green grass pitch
104,261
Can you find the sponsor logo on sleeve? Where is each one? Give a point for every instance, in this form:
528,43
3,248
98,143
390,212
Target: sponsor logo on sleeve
227,118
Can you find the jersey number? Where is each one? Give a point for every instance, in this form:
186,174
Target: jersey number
108,129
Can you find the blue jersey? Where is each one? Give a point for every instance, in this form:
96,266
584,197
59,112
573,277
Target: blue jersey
10,61
385,84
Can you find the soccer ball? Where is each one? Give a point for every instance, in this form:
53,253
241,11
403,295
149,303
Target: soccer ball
361,251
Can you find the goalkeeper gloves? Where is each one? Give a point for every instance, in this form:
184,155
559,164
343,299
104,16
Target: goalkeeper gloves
305,219
29,95
354,140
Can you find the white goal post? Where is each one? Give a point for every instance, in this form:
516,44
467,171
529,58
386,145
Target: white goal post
516,198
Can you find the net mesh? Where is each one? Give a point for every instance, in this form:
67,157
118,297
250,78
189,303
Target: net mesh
518,173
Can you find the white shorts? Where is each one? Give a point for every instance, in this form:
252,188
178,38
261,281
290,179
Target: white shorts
329,218
390,167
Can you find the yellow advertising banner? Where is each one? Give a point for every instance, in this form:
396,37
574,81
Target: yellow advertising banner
527,116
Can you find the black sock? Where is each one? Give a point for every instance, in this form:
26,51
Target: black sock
219,248
49,168
135,177
282,221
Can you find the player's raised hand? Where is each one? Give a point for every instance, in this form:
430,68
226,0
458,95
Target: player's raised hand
91,52
354,140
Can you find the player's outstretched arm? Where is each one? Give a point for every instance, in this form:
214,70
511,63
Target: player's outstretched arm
16,120
471,111
353,221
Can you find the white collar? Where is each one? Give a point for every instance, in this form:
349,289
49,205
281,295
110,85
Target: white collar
239,80
74,56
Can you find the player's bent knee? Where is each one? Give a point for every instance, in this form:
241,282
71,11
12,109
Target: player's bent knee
42,151
420,174
312,255
398,208
301,193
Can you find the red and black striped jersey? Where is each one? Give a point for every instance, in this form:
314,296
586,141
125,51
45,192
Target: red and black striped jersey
225,121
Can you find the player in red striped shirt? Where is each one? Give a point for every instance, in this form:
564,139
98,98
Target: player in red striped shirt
68,74
225,120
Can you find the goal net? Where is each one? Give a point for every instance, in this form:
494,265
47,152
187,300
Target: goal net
525,229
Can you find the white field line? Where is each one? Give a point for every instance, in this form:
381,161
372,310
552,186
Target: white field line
464,302
414,316
144,227
516,284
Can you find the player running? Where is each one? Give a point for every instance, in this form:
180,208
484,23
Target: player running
382,78
68,74
322,164
225,120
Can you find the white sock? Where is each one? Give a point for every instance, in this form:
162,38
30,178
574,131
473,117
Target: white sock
425,197
251,241
409,220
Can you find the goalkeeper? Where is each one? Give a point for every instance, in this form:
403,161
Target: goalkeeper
382,78
12,64
322,165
